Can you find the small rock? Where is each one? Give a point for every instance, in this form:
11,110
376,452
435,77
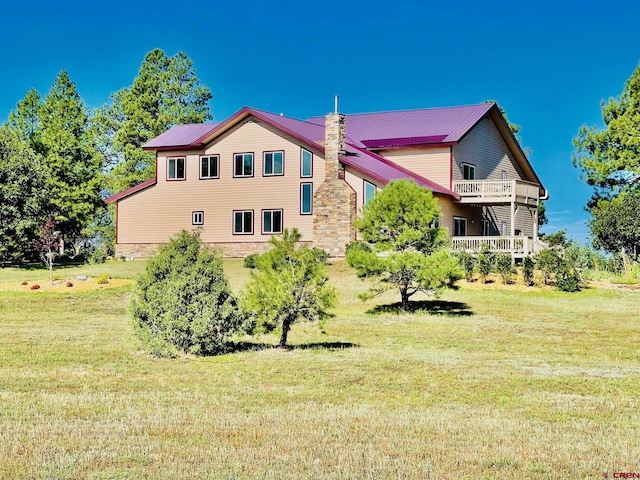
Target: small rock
82,278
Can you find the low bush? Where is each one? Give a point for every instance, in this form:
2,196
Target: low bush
250,261
103,279
504,267
468,264
485,262
567,280
557,262
182,302
321,256
97,256
353,247
528,268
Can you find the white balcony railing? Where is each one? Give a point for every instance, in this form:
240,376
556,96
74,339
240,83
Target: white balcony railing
518,246
491,191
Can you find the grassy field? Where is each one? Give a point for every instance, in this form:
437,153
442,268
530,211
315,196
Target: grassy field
484,383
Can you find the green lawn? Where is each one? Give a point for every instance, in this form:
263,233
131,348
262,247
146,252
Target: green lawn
486,383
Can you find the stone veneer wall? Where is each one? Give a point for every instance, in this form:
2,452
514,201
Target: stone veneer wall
138,251
334,210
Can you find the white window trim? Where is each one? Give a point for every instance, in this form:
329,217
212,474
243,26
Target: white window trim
364,191
271,211
464,220
209,157
485,225
302,152
197,217
264,164
175,168
472,167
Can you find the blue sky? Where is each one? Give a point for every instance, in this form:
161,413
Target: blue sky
549,64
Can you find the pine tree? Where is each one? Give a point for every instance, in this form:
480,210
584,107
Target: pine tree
166,92
70,157
409,253
23,183
289,284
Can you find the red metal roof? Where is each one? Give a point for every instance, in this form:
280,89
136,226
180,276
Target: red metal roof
449,124
368,130
180,135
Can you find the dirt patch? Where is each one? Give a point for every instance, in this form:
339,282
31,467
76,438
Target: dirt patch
616,286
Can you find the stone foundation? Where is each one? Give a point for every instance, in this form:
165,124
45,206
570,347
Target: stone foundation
135,251
138,251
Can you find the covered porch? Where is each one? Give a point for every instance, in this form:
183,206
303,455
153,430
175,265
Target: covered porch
508,222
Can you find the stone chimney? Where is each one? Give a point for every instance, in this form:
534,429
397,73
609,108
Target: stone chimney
334,140
334,202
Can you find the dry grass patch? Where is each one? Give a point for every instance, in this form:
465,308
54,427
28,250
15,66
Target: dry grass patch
532,384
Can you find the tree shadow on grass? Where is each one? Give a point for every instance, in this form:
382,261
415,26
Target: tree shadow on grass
433,307
256,347
323,346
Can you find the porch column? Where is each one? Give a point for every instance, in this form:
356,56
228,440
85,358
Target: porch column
535,226
513,219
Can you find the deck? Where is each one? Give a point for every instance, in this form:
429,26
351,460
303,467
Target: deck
497,191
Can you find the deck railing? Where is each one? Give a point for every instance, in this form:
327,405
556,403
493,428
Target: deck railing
497,191
517,246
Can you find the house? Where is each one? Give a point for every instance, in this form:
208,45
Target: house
256,173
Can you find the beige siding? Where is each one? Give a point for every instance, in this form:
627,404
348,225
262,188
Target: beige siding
155,214
485,148
450,210
432,163
356,180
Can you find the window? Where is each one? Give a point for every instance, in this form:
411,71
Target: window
503,229
306,198
243,222
306,163
504,174
435,223
175,168
197,218
272,221
484,223
209,166
468,171
369,191
243,165
273,163
459,226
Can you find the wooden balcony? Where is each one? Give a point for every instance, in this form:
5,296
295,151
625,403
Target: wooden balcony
517,246
497,191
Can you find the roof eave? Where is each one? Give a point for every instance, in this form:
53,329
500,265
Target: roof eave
131,191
